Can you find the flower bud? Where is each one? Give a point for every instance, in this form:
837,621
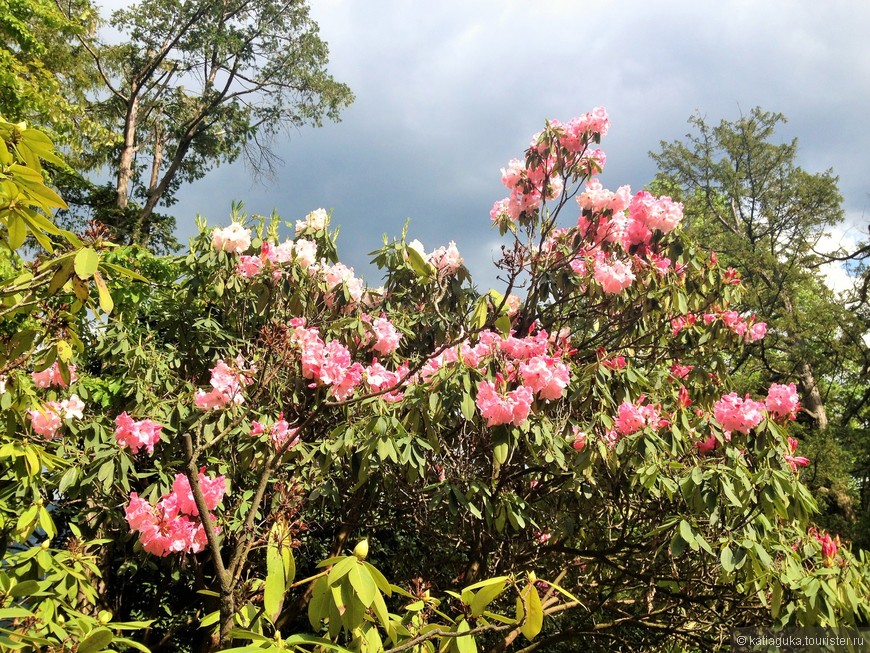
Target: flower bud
361,550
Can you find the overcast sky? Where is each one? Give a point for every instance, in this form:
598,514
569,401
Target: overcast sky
448,92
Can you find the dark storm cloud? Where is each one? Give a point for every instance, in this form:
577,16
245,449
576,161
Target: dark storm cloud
448,92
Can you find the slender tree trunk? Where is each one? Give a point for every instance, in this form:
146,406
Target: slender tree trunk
140,234
125,162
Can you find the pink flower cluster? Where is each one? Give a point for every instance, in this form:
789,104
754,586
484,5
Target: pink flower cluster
234,239
52,376
613,275
547,376
47,419
498,408
387,336
632,417
341,275
742,415
561,146
524,360
443,259
380,378
279,433
173,525
736,414
782,401
272,257
136,434
227,383
327,364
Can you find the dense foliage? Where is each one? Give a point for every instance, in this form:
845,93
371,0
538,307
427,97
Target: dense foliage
242,444
746,197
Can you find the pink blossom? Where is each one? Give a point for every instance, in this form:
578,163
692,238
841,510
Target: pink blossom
136,434
782,400
213,490
387,336
655,213
249,266
72,407
546,376
446,259
227,384
633,417
614,277
829,547
578,438
234,239
706,446
630,418
757,331
305,252
46,420
736,414
502,409
139,512
681,371
683,397
52,376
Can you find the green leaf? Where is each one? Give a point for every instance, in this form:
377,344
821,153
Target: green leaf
534,613
106,302
86,263
24,588
726,557
464,644
686,532
423,269
95,641
485,596
16,229
273,593
478,317
341,569
363,584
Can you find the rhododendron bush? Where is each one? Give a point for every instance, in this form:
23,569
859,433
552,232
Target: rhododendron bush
561,459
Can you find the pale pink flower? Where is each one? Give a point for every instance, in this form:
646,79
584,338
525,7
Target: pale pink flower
757,331
782,400
314,221
305,252
736,414
615,276
446,259
45,420
52,376
546,376
234,239
249,266
387,336
136,434
72,407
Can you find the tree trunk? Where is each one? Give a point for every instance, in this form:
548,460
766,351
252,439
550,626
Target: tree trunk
125,162
813,404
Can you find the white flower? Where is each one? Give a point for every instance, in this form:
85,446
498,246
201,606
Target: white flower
234,239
